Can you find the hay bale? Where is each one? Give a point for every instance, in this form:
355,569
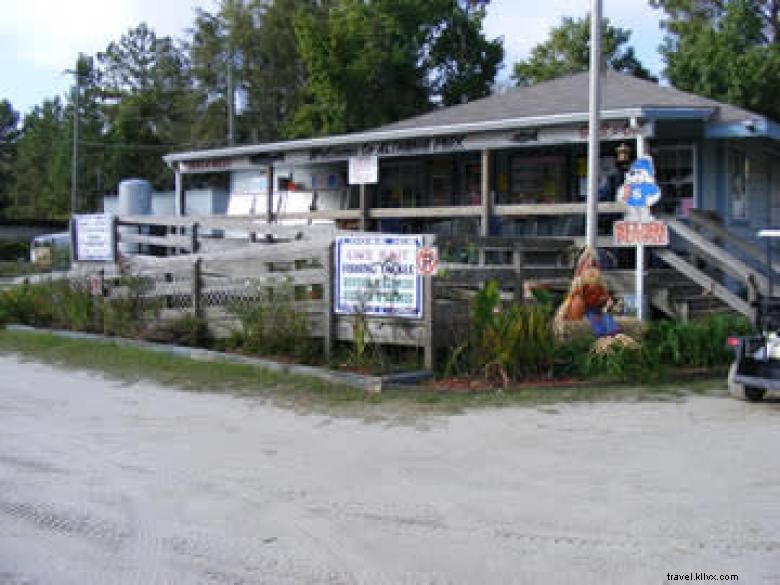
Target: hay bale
566,330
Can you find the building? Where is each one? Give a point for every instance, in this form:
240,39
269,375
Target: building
512,164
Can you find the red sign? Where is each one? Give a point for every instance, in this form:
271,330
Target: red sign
633,233
427,261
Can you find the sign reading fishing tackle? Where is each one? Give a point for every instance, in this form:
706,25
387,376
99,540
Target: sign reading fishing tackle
377,275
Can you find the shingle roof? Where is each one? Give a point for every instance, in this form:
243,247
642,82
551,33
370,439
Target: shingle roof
569,95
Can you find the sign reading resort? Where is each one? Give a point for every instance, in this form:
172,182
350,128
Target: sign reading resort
377,275
94,237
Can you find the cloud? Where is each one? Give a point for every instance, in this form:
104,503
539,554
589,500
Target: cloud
49,35
525,25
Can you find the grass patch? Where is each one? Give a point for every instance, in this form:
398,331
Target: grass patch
306,394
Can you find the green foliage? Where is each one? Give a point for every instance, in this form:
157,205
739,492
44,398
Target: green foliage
729,51
370,63
567,52
28,304
9,134
514,341
12,251
272,326
187,329
700,343
620,363
127,310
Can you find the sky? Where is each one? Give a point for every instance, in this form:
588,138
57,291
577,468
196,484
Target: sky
40,39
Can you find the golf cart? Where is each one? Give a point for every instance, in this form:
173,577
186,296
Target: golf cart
756,368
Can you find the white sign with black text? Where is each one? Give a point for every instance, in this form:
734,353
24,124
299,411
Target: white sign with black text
363,170
94,237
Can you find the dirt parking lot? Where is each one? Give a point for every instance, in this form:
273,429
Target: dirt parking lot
108,483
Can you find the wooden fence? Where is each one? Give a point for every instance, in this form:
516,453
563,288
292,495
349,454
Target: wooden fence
211,265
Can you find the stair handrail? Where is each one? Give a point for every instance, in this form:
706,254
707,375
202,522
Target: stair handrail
718,256
712,222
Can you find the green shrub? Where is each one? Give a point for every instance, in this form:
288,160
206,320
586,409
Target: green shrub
188,329
13,251
126,311
699,343
513,341
28,304
74,307
272,325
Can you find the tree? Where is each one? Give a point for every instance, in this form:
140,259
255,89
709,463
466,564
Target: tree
9,134
370,63
567,51
461,62
148,105
41,183
728,50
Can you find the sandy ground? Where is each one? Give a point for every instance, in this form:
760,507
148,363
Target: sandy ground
106,483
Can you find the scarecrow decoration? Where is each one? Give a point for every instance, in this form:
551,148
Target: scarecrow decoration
589,297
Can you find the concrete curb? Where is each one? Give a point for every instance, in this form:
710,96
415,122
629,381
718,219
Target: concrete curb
360,381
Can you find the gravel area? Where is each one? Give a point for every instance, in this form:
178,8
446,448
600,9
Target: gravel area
104,482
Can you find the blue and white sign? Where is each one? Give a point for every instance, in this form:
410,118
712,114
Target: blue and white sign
377,275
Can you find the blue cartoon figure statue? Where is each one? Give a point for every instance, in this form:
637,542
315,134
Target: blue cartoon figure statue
639,192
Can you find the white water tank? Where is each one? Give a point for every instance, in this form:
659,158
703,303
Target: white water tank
134,197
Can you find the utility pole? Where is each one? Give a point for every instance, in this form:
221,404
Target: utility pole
594,125
230,97
74,172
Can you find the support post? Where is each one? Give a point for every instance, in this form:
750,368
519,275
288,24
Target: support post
594,125
327,302
428,318
194,238
196,287
115,237
269,211
430,347
179,196
518,260
363,207
486,204
640,281
641,150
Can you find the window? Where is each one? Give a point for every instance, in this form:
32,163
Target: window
537,179
737,178
675,170
402,184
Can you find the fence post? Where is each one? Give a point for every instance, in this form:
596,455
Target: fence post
196,287
518,260
115,236
194,238
327,302
430,347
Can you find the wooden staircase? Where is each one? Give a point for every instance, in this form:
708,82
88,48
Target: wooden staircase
715,276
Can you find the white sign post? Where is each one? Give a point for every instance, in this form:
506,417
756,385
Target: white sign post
94,237
376,274
639,192
363,170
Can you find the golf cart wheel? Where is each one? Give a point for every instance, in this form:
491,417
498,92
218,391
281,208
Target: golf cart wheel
754,394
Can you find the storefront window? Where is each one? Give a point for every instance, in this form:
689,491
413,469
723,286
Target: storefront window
441,175
402,184
537,179
675,175
472,182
